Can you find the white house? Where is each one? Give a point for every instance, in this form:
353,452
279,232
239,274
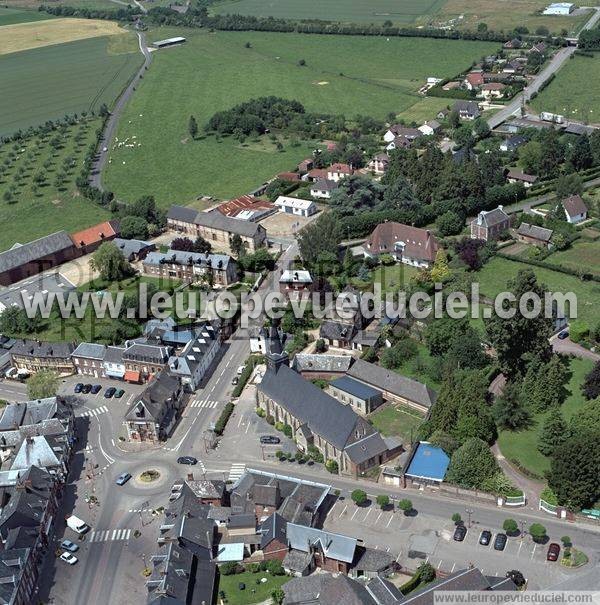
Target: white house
323,188
293,205
398,130
429,128
336,172
559,8
575,209
379,163
492,90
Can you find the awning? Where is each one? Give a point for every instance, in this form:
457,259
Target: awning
115,373
131,376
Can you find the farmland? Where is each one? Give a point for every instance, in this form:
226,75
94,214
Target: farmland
47,83
10,16
36,209
217,71
401,12
582,255
581,74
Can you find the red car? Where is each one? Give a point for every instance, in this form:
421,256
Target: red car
553,552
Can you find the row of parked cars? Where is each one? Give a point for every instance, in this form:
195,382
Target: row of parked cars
94,389
485,538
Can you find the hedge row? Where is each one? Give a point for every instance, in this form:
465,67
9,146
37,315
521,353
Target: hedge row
251,363
544,265
223,418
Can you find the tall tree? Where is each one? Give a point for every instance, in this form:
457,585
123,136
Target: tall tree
471,464
553,434
591,384
509,411
322,235
237,245
109,262
192,127
544,384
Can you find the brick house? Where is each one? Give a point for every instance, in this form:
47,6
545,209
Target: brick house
88,359
532,234
35,355
92,238
142,360
295,284
490,225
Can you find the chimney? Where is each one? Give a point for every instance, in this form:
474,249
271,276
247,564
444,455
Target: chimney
500,207
190,476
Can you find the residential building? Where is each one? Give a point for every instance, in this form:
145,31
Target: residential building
379,163
511,144
515,176
490,225
290,177
193,363
323,188
492,90
305,165
88,359
315,174
322,366
338,333
216,228
296,206
513,44
143,360
473,80
153,414
113,363
467,110
393,386
575,209
532,234
90,239
399,130
295,284
400,142
430,128
426,465
406,244
559,8
41,286
539,47
133,249
362,397
248,208
35,355
338,171
213,269
25,260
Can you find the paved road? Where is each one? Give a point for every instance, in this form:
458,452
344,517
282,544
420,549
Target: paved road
568,347
113,120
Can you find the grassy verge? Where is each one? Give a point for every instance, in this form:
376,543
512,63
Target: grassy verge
253,592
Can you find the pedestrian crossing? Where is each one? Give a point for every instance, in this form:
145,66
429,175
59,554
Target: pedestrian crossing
205,403
110,535
95,412
141,510
236,471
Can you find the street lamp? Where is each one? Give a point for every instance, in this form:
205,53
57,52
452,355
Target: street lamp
469,512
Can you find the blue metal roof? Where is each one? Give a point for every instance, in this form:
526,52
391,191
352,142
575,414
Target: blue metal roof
429,462
358,389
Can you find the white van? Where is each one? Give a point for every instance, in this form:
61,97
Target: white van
77,525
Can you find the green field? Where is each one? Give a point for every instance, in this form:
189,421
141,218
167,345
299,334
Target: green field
582,255
253,593
36,211
393,421
401,12
10,16
580,74
215,71
522,445
47,83
494,275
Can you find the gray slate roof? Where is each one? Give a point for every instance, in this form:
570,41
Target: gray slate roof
129,247
354,387
390,381
33,348
540,233
326,589
335,546
215,220
492,217
179,257
90,350
306,362
21,254
366,448
384,592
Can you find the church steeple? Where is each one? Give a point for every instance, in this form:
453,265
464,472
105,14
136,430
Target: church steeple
275,353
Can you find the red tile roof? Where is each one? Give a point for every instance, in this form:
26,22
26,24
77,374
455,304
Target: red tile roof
288,176
244,202
418,243
95,234
475,78
338,167
317,173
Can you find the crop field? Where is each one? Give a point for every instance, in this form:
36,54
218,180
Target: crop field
581,74
47,83
401,12
91,4
34,206
343,74
10,16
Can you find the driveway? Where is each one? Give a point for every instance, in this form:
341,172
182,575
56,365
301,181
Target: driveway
568,347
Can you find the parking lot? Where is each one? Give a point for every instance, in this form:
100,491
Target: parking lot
93,401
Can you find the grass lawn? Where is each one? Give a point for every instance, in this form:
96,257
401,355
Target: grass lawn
10,16
522,445
496,273
230,586
214,71
581,74
47,83
582,255
392,277
37,211
397,421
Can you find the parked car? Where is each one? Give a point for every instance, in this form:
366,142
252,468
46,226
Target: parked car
460,533
95,389
78,387
68,545
553,552
235,380
67,557
564,334
119,393
485,538
109,392
123,478
240,370
500,542
86,388
270,440
187,460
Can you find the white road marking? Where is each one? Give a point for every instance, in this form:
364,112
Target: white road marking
344,510
236,471
389,521
453,566
533,551
354,515
115,535
94,412
378,517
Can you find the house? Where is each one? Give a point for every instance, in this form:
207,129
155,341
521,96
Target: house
338,171
315,174
492,90
321,366
323,189
133,249
393,386
579,129
398,130
153,414
295,284
143,360
192,364
511,144
515,176
338,333
379,163
532,234
513,44
317,420
35,355
539,47
490,225
247,208
442,114
25,260
90,239
305,165
473,80
400,142
296,206
211,492
575,209
41,287
193,267
430,128
406,244
216,228
559,8
88,359
427,464
362,397
467,110
113,363
289,177
344,320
